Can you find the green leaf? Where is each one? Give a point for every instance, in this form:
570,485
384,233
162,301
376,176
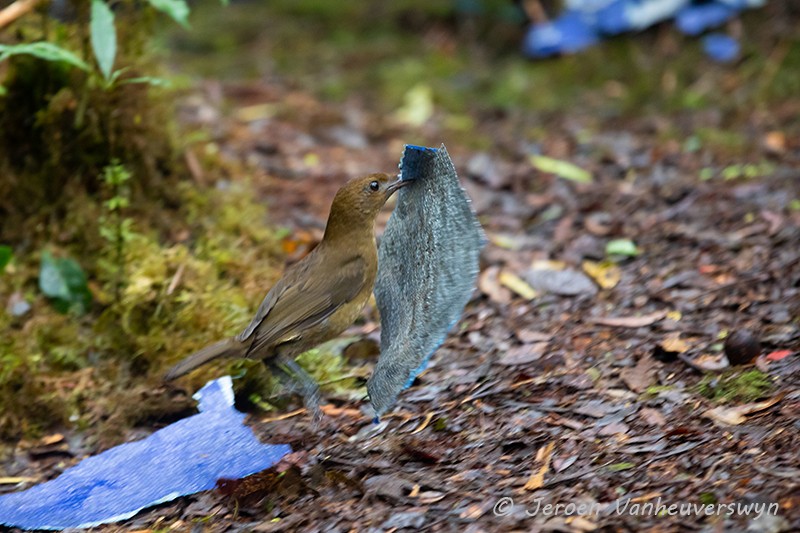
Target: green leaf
618,467
149,80
104,37
692,144
43,50
177,9
562,169
64,282
624,247
708,498
5,256
706,173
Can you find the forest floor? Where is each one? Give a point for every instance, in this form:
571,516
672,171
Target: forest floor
581,396
605,384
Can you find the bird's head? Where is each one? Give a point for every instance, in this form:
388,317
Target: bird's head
359,201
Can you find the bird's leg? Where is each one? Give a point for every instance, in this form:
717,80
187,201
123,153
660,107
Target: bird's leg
308,388
287,366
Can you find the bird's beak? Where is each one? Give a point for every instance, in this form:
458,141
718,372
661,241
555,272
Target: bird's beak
399,184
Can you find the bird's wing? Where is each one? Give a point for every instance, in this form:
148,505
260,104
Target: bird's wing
299,301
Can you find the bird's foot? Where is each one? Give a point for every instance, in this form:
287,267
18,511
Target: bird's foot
307,386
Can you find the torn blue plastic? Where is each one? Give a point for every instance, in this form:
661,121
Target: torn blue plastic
569,33
427,269
694,20
183,458
414,159
585,22
635,15
721,47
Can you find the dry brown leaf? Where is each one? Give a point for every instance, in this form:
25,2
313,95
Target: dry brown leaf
528,336
735,415
49,440
674,344
567,282
333,410
544,456
775,141
710,362
628,321
424,424
521,355
646,497
614,428
473,511
579,523
489,284
430,496
652,416
290,414
639,377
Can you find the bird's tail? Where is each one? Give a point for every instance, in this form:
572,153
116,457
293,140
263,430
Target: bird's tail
226,348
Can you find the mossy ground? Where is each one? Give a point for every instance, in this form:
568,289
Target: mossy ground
736,386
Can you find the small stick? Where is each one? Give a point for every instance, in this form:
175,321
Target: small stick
535,11
15,11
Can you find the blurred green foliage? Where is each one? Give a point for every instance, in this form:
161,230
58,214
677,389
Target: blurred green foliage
468,53
64,282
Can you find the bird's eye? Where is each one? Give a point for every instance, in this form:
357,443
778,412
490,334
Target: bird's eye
374,185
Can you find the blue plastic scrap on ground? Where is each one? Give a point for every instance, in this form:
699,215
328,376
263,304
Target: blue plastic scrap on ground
584,22
183,458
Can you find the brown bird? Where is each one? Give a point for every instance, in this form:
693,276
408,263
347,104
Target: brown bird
318,297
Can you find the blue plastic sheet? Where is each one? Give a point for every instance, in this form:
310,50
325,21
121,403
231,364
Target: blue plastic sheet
584,22
183,458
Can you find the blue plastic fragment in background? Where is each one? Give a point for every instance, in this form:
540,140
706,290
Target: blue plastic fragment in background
720,47
183,458
584,22
613,18
633,15
568,33
694,20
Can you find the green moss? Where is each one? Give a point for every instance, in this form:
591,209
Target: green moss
28,401
734,386
175,297
60,126
329,368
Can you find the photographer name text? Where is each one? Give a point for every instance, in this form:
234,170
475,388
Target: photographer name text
627,506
